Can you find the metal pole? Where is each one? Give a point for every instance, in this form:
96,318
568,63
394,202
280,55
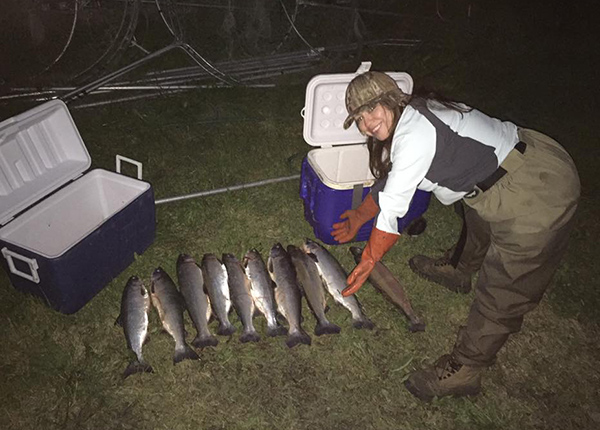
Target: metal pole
227,189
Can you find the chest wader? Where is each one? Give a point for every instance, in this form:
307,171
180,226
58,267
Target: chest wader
516,228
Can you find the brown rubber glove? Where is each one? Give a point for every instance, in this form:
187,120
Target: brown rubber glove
354,219
379,243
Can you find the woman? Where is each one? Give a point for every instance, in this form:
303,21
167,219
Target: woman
519,189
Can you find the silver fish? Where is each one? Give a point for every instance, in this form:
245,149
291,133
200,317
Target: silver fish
191,285
215,283
239,290
311,283
169,304
386,283
287,294
261,288
334,276
135,304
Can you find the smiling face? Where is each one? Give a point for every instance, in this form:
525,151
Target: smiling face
376,122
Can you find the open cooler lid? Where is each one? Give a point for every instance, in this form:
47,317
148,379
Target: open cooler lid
40,150
325,107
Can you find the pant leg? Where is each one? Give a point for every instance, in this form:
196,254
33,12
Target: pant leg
530,215
470,257
512,281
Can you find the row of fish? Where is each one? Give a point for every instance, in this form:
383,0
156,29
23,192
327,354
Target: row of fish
214,286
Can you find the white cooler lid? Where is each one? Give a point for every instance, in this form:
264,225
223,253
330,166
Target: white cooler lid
40,150
325,111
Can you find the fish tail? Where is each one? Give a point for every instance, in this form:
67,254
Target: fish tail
276,330
249,335
416,325
137,366
299,336
225,329
327,327
185,353
363,322
204,341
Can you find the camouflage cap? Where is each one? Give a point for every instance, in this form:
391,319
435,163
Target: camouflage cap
364,90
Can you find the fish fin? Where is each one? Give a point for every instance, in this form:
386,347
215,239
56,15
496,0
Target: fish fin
225,330
312,256
298,337
137,367
119,320
416,325
186,353
204,341
250,336
147,339
327,328
278,330
363,322
280,317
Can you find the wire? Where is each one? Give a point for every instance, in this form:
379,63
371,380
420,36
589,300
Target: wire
296,30
67,44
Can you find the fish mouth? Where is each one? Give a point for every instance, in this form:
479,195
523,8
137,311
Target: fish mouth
209,257
185,258
157,274
251,255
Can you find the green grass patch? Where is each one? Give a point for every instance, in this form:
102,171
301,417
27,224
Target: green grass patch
64,372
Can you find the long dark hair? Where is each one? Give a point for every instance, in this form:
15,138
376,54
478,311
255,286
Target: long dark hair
379,151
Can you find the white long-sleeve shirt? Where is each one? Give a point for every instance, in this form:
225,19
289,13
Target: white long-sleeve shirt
441,150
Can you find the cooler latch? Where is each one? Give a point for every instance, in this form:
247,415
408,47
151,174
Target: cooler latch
365,66
33,266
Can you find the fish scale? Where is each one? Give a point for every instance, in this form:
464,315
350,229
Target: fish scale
216,284
241,297
135,304
334,277
261,288
287,294
168,302
191,285
311,284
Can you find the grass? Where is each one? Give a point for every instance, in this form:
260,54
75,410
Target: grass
63,372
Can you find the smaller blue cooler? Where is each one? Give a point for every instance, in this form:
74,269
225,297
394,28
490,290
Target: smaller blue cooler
335,176
65,234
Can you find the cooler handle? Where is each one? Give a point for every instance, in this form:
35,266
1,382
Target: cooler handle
120,158
33,266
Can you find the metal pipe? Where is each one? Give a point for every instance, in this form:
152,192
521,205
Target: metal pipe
227,189
98,83
157,94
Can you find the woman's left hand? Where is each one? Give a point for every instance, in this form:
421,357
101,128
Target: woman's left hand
359,276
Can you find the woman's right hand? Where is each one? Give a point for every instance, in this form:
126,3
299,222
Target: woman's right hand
345,231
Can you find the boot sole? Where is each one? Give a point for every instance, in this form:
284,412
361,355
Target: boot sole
463,289
426,397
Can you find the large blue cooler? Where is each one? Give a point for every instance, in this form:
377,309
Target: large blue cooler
335,176
65,235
